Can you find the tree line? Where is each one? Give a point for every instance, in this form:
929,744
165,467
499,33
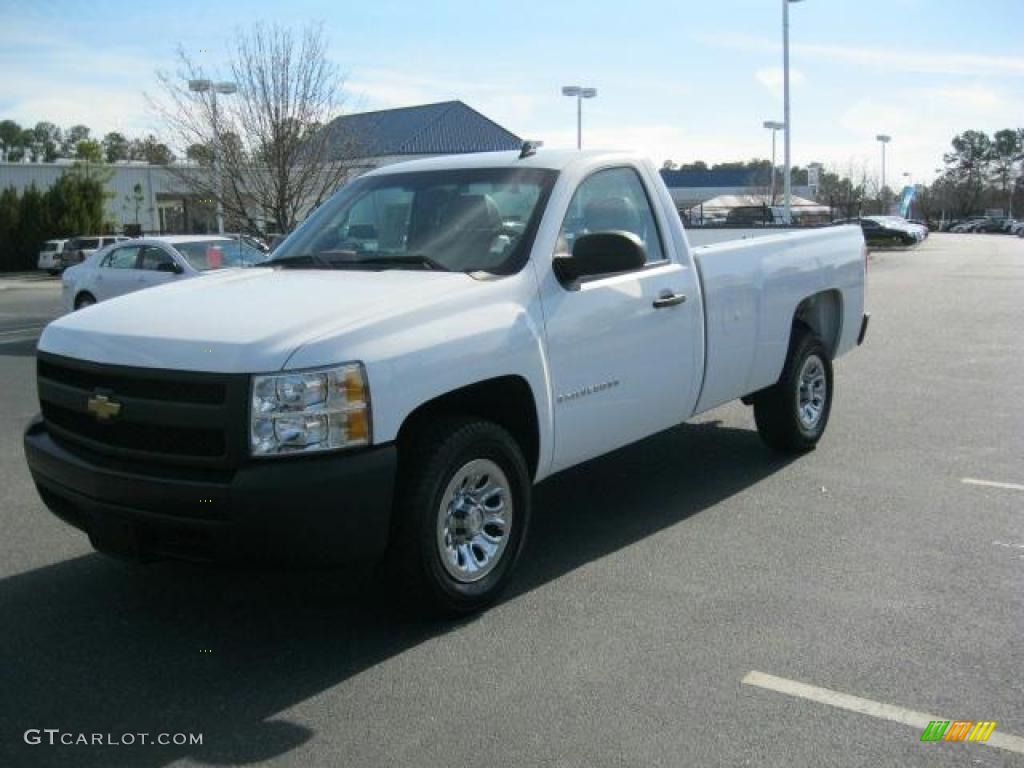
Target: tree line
47,143
980,172
73,205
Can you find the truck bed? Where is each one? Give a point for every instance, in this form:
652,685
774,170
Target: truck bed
751,290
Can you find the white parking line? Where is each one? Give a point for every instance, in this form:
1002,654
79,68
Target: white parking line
993,484
877,709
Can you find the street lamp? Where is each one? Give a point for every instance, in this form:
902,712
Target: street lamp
774,127
226,89
883,139
787,182
580,93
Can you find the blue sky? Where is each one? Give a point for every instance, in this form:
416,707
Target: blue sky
681,80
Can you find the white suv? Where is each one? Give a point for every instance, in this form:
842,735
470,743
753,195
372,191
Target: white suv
79,249
50,256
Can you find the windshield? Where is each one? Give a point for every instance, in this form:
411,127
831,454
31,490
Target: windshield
219,254
457,220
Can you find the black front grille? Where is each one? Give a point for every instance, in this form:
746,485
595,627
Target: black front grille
137,437
166,416
179,390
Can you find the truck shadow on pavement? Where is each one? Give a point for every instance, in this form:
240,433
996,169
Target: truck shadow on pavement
20,348
90,645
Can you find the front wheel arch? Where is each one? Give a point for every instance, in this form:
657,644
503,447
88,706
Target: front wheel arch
84,299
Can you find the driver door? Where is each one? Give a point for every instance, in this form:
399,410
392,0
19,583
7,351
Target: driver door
623,362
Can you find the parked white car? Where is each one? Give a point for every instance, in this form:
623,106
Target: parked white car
49,256
433,340
149,261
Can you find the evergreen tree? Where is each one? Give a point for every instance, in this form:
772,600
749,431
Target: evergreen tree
8,227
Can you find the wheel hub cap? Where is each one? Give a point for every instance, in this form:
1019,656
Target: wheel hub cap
811,392
474,520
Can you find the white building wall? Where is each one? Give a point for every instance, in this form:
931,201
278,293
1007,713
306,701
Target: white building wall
120,207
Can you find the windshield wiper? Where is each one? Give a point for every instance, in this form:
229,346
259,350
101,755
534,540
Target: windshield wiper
351,259
408,259
302,259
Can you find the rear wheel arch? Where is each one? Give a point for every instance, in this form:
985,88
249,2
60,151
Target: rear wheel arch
822,314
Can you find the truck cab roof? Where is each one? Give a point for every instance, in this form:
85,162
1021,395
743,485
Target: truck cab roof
548,159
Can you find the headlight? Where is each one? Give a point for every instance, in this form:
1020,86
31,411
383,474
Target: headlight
303,411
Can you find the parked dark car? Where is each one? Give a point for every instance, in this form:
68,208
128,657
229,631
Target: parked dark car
876,233
991,225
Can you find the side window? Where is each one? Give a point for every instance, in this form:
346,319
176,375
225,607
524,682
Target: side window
121,258
153,256
614,199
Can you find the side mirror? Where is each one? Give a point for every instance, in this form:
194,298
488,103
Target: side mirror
601,253
170,266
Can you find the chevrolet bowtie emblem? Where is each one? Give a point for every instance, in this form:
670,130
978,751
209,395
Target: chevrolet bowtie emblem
103,407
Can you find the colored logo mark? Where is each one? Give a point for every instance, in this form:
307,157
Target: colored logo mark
958,730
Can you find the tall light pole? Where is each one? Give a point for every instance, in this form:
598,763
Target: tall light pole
208,86
580,93
787,182
883,140
774,127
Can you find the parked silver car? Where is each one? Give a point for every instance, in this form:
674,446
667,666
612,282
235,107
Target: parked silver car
149,261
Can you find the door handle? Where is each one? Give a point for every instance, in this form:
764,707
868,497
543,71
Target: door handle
669,299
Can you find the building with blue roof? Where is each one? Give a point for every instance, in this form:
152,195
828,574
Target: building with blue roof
372,139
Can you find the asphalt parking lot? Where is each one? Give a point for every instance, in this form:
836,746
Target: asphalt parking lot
887,565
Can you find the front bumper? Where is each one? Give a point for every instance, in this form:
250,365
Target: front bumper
310,511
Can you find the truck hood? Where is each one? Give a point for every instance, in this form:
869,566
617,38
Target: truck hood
242,321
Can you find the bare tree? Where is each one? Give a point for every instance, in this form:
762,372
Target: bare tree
843,189
275,159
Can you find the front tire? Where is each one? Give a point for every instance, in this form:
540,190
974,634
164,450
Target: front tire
462,508
84,300
792,415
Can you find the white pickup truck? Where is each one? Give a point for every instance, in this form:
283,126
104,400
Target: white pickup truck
433,341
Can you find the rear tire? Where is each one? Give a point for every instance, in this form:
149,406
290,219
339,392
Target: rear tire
792,415
462,508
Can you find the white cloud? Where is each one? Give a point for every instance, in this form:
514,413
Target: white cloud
384,89
979,98
772,79
920,62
